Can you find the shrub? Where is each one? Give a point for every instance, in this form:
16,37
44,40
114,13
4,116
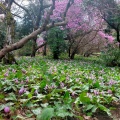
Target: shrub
111,57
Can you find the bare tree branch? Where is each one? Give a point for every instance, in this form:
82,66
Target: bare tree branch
16,15
41,45
26,10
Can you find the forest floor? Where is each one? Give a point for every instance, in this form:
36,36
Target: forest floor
44,89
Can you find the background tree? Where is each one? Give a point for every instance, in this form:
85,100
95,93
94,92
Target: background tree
109,11
24,28
56,41
2,34
80,24
10,29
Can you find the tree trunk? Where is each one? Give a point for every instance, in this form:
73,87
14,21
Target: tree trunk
55,56
69,51
34,47
9,57
45,50
10,33
74,52
119,45
118,37
72,56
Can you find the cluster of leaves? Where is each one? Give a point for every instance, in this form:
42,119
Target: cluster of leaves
46,89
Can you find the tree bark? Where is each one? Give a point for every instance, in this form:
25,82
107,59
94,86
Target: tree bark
74,51
118,37
55,56
10,35
69,51
45,50
72,56
34,46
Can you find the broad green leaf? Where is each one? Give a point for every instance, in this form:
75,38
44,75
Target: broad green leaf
2,107
103,108
47,114
94,109
37,111
66,95
89,107
84,99
97,84
11,97
42,84
2,96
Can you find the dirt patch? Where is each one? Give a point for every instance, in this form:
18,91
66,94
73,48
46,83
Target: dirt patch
103,116
116,113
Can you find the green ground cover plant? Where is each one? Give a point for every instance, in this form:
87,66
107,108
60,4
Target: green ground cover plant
45,89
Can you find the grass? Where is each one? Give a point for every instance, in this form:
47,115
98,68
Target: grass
43,89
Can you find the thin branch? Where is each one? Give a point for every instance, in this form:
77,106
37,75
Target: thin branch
45,43
40,13
67,7
26,10
16,15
